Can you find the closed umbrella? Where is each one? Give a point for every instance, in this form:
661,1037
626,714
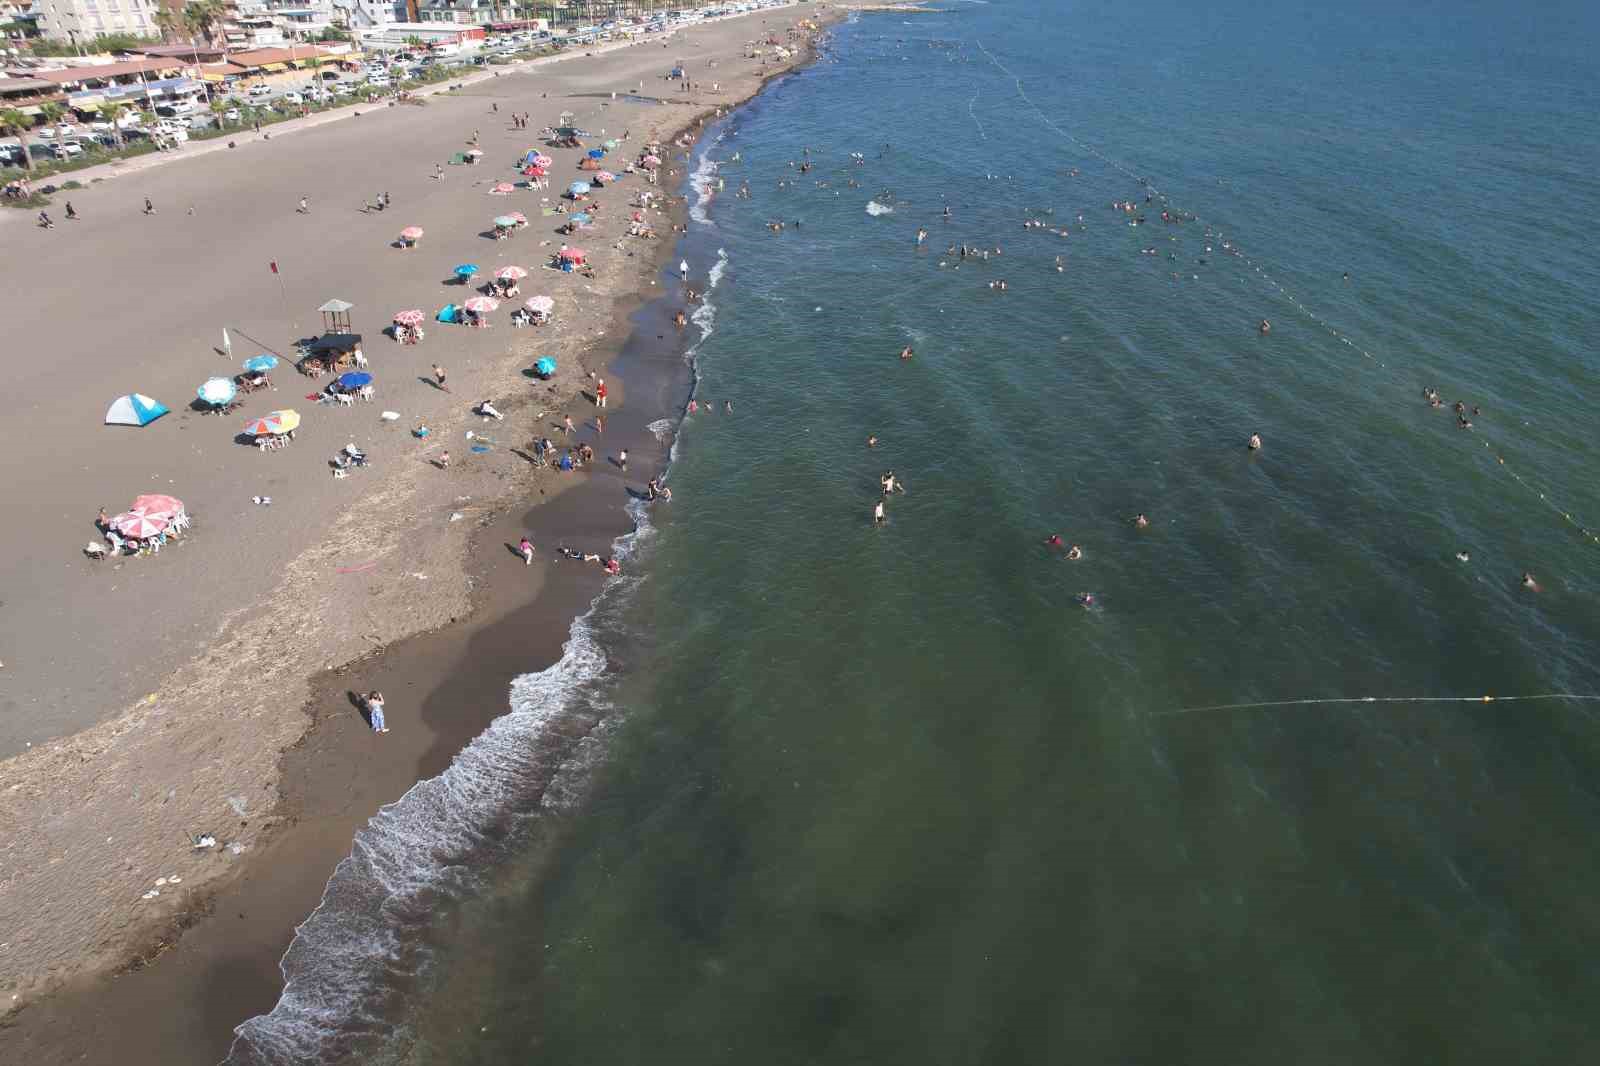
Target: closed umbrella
412,317
139,525
466,270
355,379
273,424
217,391
511,273
260,364
481,305
540,304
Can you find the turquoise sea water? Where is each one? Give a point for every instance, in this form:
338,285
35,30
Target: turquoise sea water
890,794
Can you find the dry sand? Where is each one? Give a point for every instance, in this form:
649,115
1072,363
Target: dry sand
151,698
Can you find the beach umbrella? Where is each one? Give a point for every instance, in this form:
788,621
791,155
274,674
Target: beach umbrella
217,391
512,272
577,188
134,409
541,304
411,233
518,217
475,152
139,525
573,254
597,153
272,424
651,161
534,172
606,175
610,144
545,366
412,317
157,503
466,270
504,221
481,305
354,379
581,218
260,364
503,188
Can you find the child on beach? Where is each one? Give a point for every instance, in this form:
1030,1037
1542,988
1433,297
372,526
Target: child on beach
525,548
374,702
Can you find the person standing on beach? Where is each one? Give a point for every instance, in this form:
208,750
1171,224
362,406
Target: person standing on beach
525,548
622,459
600,392
438,378
683,270
149,208
444,460
599,423
374,702
566,425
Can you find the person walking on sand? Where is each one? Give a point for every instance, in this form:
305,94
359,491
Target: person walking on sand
622,459
599,423
444,460
72,213
599,392
525,549
374,702
149,208
438,378
305,206
683,270
566,425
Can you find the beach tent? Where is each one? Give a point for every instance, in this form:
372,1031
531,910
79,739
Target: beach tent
134,409
447,313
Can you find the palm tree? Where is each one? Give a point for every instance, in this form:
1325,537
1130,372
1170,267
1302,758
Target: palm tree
19,123
205,16
110,112
51,112
174,23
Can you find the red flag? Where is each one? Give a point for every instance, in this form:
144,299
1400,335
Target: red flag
274,265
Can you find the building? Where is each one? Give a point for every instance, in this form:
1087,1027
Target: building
459,12
142,83
370,14
81,21
26,94
252,31
439,35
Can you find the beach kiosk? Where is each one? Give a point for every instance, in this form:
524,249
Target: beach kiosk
339,348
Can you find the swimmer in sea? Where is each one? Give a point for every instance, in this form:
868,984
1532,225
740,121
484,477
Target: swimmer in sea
1255,442
1074,553
1463,557
872,441
879,516
906,352
1265,327
1085,600
1529,583
1140,521
1053,540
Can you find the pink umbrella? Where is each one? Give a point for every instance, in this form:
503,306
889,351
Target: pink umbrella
504,188
413,317
481,305
573,254
606,175
651,161
541,160
411,233
534,172
510,272
522,219
540,304
156,503
138,525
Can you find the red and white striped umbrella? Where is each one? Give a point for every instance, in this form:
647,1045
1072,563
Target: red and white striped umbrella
510,273
481,305
651,161
541,304
606,175
574,254
138,524
503,188
521,218
411,233
413,317
541,160
157,503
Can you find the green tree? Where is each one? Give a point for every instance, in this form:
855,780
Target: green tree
110,112
174,24
205,16
51,113
19,123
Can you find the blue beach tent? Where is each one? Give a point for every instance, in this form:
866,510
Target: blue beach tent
134,409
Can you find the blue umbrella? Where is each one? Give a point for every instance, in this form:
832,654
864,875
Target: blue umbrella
217,391
260,364
466,270
581,218
577,188
545,366
355,379
597,153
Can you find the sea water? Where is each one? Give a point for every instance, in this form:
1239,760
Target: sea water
892,793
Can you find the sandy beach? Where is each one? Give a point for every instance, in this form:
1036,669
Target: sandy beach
207,689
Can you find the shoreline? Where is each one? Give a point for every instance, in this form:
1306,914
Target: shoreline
317,799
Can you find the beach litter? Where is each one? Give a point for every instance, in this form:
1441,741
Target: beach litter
203,842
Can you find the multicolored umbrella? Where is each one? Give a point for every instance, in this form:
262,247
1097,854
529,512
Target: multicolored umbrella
157,503
504,221
510,272
134,409
502,188
605,175
139,525
574,254
412,317
481,305
541,304
537,159
466,270
260,364
577,188
217,391
411,233
273,424
545,366
354,379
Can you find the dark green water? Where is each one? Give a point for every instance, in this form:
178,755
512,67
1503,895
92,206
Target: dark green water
890,794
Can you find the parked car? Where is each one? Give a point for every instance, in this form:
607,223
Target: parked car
293,98
260,90
379,81
231,115
65,149
10,155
